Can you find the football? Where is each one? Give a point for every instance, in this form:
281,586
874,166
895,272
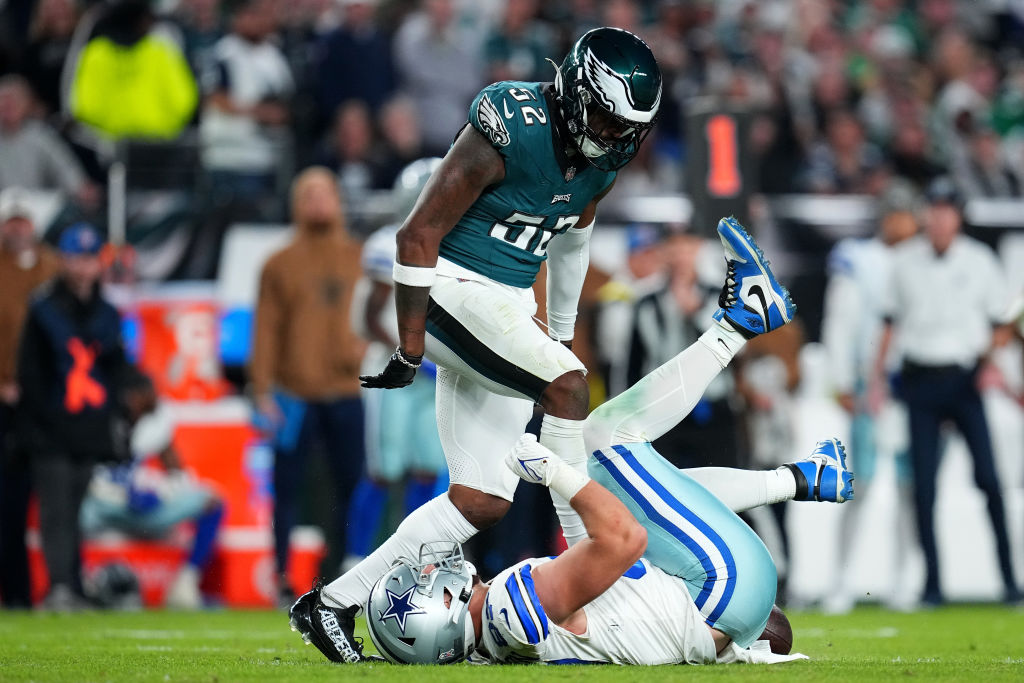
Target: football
778,632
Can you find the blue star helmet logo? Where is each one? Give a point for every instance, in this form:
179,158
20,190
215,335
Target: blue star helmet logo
400,607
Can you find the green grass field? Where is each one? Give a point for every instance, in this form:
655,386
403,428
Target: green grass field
958,642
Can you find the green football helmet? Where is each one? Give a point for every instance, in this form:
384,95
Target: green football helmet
609,83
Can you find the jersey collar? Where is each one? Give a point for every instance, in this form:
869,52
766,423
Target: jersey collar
561,141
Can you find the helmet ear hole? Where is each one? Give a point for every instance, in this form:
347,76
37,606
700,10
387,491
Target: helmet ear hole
408,641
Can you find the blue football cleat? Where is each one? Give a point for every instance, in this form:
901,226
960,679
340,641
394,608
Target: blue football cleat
823,476
752,300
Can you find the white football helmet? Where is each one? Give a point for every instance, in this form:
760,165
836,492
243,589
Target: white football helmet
410,183
407,615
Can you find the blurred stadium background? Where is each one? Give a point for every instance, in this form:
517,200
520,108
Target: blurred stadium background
796,115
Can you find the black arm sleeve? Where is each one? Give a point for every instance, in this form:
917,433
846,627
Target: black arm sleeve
637,353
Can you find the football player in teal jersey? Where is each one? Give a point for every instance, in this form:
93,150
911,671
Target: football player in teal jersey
519,186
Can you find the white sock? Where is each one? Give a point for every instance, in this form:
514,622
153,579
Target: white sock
666,395
724,340
565,438
436,520
745,489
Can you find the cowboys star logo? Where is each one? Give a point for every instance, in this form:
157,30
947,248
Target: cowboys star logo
400,607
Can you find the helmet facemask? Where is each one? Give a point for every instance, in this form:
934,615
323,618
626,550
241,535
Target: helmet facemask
607,140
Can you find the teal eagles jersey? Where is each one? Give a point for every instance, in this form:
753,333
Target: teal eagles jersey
505,233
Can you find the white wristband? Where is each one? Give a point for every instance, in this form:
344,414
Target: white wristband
413,276
565,480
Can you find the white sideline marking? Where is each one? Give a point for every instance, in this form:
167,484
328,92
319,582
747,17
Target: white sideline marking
170,648
882,632
140,633
168,634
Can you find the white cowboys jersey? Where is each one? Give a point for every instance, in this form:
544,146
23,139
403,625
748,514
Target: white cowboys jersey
647,617
859,272
378,259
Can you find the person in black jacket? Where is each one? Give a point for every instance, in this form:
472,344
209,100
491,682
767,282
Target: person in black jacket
70,362
670,318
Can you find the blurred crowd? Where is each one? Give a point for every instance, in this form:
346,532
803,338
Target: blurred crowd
844,94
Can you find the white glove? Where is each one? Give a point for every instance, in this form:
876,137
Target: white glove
537,464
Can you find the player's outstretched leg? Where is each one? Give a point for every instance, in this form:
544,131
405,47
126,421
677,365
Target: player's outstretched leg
823,475
331,630
752,300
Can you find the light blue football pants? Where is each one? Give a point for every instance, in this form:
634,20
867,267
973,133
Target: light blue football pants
693,535
401,431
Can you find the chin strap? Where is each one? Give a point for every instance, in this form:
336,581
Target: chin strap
559,98
583,144
560,95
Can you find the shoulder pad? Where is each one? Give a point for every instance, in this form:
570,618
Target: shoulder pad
485,115
841,258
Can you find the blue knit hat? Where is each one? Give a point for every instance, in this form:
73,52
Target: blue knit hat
78,239
643,236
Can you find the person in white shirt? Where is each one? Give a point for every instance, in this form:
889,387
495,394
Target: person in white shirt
245,109
859,272
437,60
947,297
149,491
32,154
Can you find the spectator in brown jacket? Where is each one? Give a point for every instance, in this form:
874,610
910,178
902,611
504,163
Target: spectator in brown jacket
305,365
24,265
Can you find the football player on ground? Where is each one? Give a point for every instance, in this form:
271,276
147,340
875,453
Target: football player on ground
519,186
668,572
603,600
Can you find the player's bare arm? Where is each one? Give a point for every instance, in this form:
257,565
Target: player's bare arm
589,568
586,570
468,169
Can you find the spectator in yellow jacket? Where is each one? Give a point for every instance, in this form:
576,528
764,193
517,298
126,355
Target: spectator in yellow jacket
131,82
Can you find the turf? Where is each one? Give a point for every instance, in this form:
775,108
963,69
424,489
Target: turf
957,642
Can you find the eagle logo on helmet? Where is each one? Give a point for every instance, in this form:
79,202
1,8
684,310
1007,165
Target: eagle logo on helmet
400,608
614,90
492,123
